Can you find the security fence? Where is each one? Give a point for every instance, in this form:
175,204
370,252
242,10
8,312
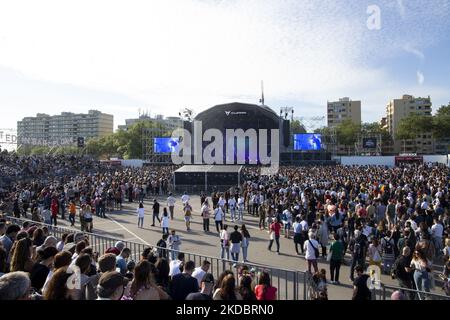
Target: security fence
291,284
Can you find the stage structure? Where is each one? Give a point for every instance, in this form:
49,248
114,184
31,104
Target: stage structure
207,178
149,154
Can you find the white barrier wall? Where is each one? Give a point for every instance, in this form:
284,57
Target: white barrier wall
134,163
385,160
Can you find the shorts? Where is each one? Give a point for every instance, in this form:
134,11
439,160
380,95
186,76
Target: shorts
187,218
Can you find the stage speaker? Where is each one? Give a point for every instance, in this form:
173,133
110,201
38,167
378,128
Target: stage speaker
286,133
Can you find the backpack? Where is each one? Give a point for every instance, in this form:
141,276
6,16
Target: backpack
388,247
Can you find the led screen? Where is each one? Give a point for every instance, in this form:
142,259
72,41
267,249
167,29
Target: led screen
307,141
165,145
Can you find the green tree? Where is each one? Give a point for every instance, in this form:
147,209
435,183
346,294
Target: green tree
441,123
347,132
297,127
413,125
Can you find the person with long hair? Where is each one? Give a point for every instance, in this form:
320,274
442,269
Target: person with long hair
141,215
38,237
422,268
57,287
245,242
22,256
163,278
245,288
228,291
374,253
143,286
264,290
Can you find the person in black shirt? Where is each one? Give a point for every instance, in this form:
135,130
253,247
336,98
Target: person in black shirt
399,272
360,289
41,269
207,286
235,238
155,212
184,284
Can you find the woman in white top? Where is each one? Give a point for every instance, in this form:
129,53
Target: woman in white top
421,267
374,253
224,243
165,222
141,214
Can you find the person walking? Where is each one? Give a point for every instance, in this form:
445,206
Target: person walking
274,234
357,248
337,255
187,215
141,215
218,218
245,242
262,216
165,222
72,213
205,215
312,252
54,210
174,244
240,207
224,243
236,240
171,204
297,233
156,212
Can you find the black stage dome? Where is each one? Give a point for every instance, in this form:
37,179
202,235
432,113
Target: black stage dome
238,115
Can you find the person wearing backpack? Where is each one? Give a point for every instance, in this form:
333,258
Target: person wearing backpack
387,245
312,252
357,248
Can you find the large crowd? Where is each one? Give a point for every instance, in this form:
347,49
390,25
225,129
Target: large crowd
395,220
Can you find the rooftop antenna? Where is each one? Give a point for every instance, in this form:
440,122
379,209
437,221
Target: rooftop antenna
262,93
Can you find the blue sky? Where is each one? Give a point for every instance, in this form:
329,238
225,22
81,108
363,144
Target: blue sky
163,56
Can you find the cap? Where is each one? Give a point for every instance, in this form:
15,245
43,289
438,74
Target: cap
112,280
69,246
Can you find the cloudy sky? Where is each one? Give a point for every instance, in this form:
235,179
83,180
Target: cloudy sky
162,56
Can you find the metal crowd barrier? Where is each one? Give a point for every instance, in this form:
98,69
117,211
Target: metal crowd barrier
291,285
385,292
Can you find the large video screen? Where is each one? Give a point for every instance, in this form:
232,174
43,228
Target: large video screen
307,141
165,145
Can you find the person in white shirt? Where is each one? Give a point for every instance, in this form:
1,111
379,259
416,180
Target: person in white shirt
221,203
185,198
232,206
241,205
311,247
174,244
175,265
224,243
141,215
200,272
218,218
437,231
171,204
165,222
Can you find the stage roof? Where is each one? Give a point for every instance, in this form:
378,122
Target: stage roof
210,168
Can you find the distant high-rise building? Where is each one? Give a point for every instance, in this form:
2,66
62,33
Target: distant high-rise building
398,109
63,129
344,109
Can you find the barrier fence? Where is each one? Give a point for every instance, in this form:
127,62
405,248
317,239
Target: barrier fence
291,284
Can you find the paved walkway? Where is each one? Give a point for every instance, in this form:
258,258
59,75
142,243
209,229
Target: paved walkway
123,225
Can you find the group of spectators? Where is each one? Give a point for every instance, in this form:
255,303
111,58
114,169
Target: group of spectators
38,266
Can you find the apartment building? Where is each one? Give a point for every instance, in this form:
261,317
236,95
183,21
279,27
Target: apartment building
398,109
63,129
344,109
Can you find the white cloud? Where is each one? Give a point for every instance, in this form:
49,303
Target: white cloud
420,77
176,53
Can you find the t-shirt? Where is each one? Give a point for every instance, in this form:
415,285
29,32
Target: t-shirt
174,268
269,295
198,274
182,285
38,275
362,291
141,212
275,227
121,264
337,249
310,252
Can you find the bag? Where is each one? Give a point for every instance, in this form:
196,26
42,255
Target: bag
388,248
316,250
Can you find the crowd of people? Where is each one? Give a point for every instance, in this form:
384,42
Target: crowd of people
395,220
35,265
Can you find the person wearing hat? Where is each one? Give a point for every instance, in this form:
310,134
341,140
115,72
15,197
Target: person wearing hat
206,289
41,269
112,286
